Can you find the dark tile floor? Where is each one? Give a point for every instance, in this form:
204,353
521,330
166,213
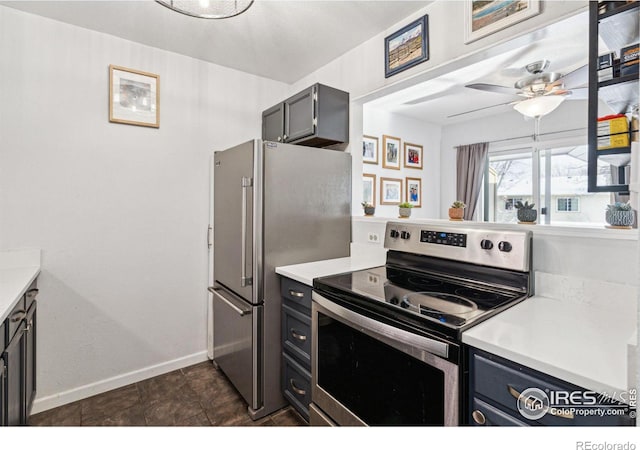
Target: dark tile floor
198,395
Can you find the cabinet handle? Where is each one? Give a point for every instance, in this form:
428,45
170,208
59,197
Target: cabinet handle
279,139
515,394
32,292
29,325
296,389
18,315
478,417
296,293
285,137
298,336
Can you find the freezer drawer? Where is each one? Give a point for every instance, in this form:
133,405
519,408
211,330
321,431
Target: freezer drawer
234,341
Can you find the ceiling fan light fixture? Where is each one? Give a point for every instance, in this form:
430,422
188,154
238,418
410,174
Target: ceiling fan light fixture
539,106
208,9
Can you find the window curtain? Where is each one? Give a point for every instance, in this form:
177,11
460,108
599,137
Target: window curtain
471,162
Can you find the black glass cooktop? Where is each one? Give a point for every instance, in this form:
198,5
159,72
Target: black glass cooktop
439,303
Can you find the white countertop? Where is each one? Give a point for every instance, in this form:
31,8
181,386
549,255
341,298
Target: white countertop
305,273
18,269
582,344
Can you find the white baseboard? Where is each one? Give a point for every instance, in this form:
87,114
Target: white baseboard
82,392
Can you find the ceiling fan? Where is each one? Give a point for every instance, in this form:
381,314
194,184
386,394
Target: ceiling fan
542,91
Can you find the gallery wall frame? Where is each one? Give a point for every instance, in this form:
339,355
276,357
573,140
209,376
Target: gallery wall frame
134,97
483,18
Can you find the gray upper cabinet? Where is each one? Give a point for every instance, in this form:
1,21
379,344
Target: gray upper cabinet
317,117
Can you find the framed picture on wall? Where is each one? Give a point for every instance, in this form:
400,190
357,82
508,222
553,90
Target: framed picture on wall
406,47
414,191
413,155
390,191
391,152
369,188
134,97
369,150
483,18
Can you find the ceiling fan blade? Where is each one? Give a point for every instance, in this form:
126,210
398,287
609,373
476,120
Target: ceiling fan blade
480,109
493,88
574,79
579,94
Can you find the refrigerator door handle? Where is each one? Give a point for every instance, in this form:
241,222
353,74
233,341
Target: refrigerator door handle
240,311
244,279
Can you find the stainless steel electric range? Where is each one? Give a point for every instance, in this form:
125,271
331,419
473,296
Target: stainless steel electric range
387,344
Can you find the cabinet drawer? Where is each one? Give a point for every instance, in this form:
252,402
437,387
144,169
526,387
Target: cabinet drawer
486,415
296,294
31,293
15,318
502,382
296,385
296,334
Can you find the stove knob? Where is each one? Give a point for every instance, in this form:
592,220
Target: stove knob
405,235
394,300
486,244
505,246
394,234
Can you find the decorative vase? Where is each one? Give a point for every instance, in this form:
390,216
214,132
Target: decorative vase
456,213
369,210
527,215
405,212
620,218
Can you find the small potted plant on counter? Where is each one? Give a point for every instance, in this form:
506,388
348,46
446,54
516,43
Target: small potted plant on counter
526,213
620,215
369,209
456,210
405,210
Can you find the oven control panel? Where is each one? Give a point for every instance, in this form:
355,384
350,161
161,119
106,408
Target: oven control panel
495,247
443,238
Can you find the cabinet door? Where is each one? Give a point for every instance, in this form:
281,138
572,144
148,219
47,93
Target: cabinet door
273,123
14,359
3,382
299,115
30,359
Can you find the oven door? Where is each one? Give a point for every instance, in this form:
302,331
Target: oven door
365,372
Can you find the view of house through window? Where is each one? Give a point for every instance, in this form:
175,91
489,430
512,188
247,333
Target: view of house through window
561,186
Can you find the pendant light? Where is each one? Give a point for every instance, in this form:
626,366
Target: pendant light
208,9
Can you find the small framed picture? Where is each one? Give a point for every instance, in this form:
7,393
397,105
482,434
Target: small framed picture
369,150
412,155
483,18
369,188
406,47
391,152
390,191
134,97
414,191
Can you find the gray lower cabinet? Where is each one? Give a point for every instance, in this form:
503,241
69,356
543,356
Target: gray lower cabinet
496,384
316,117
296,344
18,361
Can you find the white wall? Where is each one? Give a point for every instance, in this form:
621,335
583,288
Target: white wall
120,212
377,123
570,115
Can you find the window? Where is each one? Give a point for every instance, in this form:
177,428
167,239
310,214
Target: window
555,179
568,204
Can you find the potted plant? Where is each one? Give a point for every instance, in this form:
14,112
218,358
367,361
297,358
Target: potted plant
405,209
456,210
526,213
620,215
369,209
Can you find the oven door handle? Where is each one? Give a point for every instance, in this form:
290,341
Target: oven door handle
429,345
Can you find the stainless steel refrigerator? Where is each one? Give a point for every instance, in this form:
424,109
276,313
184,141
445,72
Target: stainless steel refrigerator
274,204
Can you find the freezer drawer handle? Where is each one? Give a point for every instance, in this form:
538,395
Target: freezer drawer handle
296,293
18,315
228,302
296,389
244,279
514,393
298,336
